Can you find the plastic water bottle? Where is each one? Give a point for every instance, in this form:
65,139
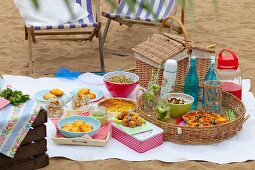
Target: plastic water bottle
210,75
169,77
191,83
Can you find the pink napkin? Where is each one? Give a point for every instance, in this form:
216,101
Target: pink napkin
3,102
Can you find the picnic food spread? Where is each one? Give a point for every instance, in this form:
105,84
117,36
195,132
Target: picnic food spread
77,126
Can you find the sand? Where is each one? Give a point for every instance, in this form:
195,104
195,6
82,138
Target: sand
231,25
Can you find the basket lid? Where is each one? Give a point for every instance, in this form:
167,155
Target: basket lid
161,47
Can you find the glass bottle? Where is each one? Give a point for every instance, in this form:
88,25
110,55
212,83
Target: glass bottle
191,82
210,75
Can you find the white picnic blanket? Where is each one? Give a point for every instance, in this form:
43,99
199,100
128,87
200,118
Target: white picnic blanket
240,148
50,12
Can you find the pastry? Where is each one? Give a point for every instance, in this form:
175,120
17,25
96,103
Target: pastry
84,91
57,92
49,96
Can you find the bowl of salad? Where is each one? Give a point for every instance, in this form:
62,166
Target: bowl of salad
179,103
120,83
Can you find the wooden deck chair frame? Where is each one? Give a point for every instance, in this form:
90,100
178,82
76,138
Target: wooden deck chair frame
130,22
31,33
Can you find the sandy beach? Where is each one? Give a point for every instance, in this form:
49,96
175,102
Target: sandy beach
231,25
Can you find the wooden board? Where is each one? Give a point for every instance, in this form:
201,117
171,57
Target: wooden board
24,152
81,141
31,153
35,162
41,118
35,134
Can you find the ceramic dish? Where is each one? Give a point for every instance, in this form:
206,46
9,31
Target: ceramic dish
177,110
87,119
115,104
120,89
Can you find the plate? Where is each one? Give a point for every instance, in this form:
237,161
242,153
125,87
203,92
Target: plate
91,78
132,131
39,95
99,93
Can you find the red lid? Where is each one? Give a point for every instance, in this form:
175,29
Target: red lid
227,61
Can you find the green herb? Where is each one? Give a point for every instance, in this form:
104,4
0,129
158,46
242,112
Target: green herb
230,114
15,97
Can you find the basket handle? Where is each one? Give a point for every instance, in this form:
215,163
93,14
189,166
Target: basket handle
137,93
185,33
246,117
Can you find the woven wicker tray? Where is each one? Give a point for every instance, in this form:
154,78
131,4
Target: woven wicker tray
200,135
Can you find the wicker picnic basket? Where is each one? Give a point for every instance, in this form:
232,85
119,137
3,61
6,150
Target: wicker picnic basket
172,131
155,50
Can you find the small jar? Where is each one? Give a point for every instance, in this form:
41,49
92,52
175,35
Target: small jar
100,113
80,102
55,108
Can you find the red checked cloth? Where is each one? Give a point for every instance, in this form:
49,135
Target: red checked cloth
101,134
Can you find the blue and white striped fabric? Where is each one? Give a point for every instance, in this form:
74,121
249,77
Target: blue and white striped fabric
86,22
161,9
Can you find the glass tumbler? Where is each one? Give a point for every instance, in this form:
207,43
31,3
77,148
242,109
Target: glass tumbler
55,108
80,102
213,96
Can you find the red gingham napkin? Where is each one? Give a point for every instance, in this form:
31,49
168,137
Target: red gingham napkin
101,134
3,102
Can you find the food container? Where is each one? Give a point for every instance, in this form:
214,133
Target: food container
80,102
100,113
120,88
86,119
54,107
140,142
229,73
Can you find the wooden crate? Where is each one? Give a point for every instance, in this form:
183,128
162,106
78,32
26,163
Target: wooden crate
32,152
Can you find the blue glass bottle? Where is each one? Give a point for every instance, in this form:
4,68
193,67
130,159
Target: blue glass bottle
210,75
191,82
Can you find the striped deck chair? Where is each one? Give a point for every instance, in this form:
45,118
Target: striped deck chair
124,14
69,29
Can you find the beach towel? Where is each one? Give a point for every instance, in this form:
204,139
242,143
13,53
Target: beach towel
50,12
